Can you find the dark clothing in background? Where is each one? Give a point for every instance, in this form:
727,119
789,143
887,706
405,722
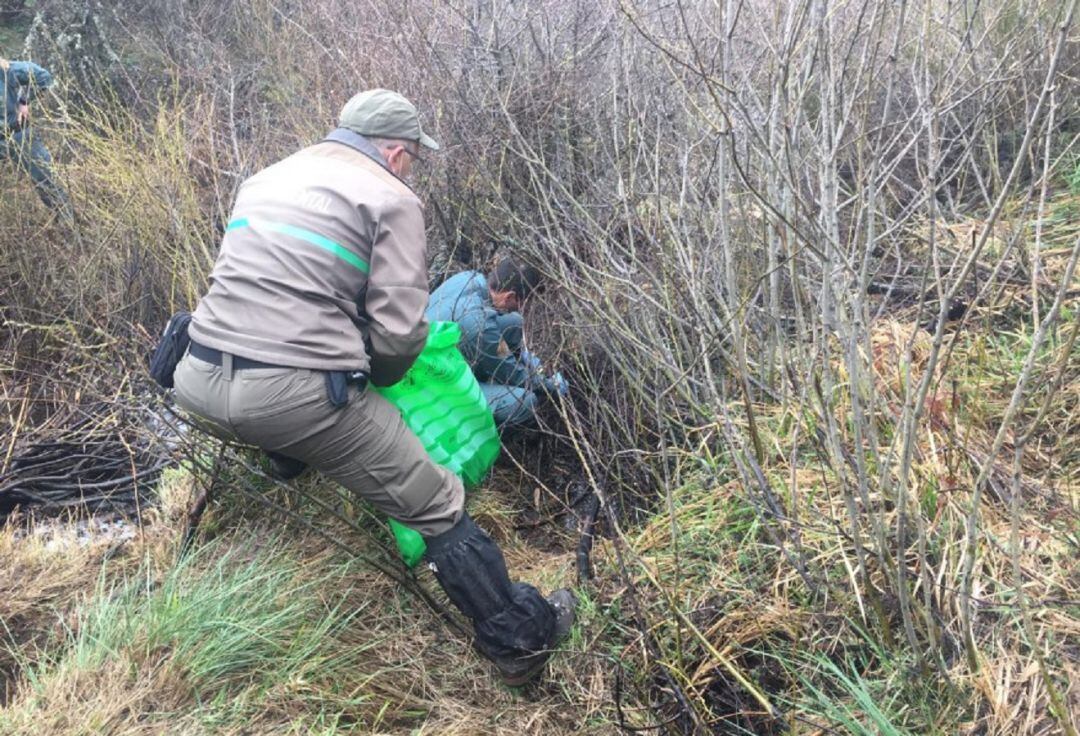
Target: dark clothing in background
491,343
22,81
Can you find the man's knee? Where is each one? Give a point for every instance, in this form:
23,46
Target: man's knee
430,498
372,452
515,407
439,509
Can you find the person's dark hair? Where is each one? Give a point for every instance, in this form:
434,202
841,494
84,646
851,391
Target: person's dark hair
513,275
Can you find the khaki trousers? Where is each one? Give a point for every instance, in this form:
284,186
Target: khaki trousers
364,445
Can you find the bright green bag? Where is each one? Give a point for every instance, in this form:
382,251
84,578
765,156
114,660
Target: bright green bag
442,404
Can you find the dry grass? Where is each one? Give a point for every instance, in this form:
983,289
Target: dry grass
39,587
394,667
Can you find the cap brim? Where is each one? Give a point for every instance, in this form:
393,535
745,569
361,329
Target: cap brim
428,142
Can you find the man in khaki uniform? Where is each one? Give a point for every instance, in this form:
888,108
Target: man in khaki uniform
320,287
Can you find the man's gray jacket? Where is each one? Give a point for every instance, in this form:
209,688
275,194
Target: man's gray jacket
322,266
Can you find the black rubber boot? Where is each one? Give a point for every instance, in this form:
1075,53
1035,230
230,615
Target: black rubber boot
519,670
515,626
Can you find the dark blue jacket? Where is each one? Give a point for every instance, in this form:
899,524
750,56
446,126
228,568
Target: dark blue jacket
466,299
22,79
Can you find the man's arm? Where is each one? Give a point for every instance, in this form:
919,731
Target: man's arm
397,292
512,328
496,358
31,77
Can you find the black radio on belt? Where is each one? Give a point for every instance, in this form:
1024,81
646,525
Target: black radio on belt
338,382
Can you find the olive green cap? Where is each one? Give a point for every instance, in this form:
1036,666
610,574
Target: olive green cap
381,113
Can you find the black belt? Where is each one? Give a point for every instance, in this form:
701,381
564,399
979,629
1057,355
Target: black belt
337,382
212,356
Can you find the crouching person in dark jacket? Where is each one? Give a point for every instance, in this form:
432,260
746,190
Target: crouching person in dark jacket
320,287
486,308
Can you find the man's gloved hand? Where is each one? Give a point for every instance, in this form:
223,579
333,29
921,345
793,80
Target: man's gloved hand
530,360
552,387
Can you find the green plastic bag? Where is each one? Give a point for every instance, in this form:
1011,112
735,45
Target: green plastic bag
442,404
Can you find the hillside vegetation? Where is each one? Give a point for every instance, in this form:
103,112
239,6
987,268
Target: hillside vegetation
814,286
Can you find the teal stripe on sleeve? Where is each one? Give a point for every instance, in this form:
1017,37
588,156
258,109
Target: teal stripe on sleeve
307,236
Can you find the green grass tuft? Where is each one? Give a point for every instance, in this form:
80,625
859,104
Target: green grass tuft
233,629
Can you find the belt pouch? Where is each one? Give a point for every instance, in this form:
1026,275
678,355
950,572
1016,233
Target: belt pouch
337,388
174,342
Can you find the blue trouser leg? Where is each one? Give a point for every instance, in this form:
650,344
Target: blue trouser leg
511,406
31,155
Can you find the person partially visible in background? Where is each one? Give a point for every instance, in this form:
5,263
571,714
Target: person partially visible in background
20,82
